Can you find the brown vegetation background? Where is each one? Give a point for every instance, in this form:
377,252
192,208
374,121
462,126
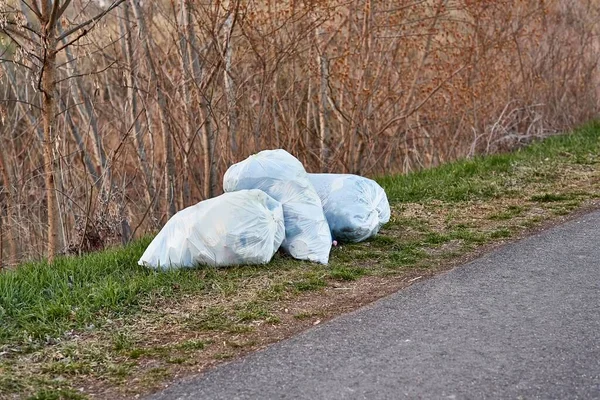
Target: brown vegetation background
157,98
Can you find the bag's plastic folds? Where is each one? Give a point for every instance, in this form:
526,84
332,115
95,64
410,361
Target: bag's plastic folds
355,207
283,177
243,227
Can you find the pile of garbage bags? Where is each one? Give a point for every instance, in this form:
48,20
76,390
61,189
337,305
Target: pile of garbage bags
270,201
282,176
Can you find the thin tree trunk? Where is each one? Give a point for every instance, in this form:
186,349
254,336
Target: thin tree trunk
363,88
308,119
132,109
10,198
323,108
187,105
49,116
232,118
208,134
169,172
212,173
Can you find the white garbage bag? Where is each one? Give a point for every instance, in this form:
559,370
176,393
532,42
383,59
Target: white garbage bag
244,227
283,177
355,207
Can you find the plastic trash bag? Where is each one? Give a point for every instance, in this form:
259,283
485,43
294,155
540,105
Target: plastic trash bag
283,177
244,227
355,207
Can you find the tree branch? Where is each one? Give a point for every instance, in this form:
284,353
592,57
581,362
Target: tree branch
53,14
429,96
63,8
19,101
26,27
9,31
82,34
34,8
67,109
20,64
87,73
91,20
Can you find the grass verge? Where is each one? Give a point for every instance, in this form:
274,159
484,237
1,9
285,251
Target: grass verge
100,326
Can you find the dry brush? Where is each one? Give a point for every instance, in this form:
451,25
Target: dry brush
151,101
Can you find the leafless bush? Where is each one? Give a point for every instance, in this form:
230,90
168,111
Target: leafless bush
157,98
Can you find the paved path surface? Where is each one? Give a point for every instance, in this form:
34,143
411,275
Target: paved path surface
521,322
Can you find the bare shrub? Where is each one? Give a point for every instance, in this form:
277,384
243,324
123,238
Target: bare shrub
158,98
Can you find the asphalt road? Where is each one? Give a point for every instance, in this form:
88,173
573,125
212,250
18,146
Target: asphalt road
520,323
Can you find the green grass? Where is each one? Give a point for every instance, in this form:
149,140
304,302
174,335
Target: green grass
549,197
483,178
347,273
312,281
509,213
57,394
192,345
118,309
40,302
434,238
407,256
